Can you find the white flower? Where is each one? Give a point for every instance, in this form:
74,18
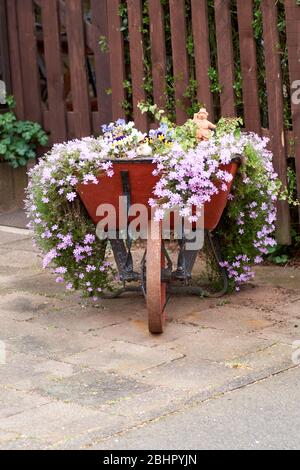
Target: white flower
144,150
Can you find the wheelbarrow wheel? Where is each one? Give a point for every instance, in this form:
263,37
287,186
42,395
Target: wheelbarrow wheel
156,289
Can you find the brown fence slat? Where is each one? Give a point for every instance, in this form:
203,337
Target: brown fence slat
225,56
180,59
202,53
249,66
28,55
275,107
158,52
117,67
4,52
15,59
77,59
292,12
102,70
53,60
137,61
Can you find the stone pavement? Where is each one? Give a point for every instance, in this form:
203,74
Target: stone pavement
78,376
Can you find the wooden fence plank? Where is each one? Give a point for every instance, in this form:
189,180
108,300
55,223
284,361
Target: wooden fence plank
4,52
249,66
77,59
28,55
102,69
15,59
180,59
158,52
137,61
53,61
117,67
292,12
275,108
202,53
225,56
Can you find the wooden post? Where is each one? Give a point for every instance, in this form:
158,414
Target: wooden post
225,56
102,68
292,13
28,56
137,61
116,54
202,53
4,52
78,70
158,52
249,66
275,108
55,80
180,59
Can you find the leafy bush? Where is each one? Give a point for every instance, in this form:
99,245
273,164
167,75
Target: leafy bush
19,139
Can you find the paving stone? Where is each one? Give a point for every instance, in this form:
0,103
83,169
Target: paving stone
93,389
125,358
27,372
24,443
136,331
149,405
13,402
42,283
217,346
259,297
286,332
8,237
230,318
61,421
278,356
20,245
22,306
19,259
51,343
189,374
82,318
278,276
291,310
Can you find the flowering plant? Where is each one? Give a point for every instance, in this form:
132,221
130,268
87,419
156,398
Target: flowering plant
188,172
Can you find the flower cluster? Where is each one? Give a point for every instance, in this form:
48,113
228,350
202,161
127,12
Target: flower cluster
61,227
188,173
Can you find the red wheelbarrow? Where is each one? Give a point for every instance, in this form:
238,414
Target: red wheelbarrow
134,180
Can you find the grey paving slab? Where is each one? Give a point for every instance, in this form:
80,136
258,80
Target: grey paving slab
7,237
217,346
230,318
61,421
26,372
124,358
93,389
13,402
19,259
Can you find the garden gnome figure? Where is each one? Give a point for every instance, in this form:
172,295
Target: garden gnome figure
204,127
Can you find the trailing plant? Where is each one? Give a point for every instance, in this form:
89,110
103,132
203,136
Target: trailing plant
191,173
19,139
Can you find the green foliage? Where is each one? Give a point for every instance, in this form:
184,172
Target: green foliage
103,44
19,139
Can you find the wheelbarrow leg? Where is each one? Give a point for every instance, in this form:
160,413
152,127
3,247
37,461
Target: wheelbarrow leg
156,289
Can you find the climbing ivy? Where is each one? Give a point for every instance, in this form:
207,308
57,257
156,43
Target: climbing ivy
216,89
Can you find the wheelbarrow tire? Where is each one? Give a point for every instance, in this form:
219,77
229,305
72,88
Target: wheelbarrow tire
156,289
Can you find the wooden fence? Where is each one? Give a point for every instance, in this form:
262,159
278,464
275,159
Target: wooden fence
4,50
62,78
